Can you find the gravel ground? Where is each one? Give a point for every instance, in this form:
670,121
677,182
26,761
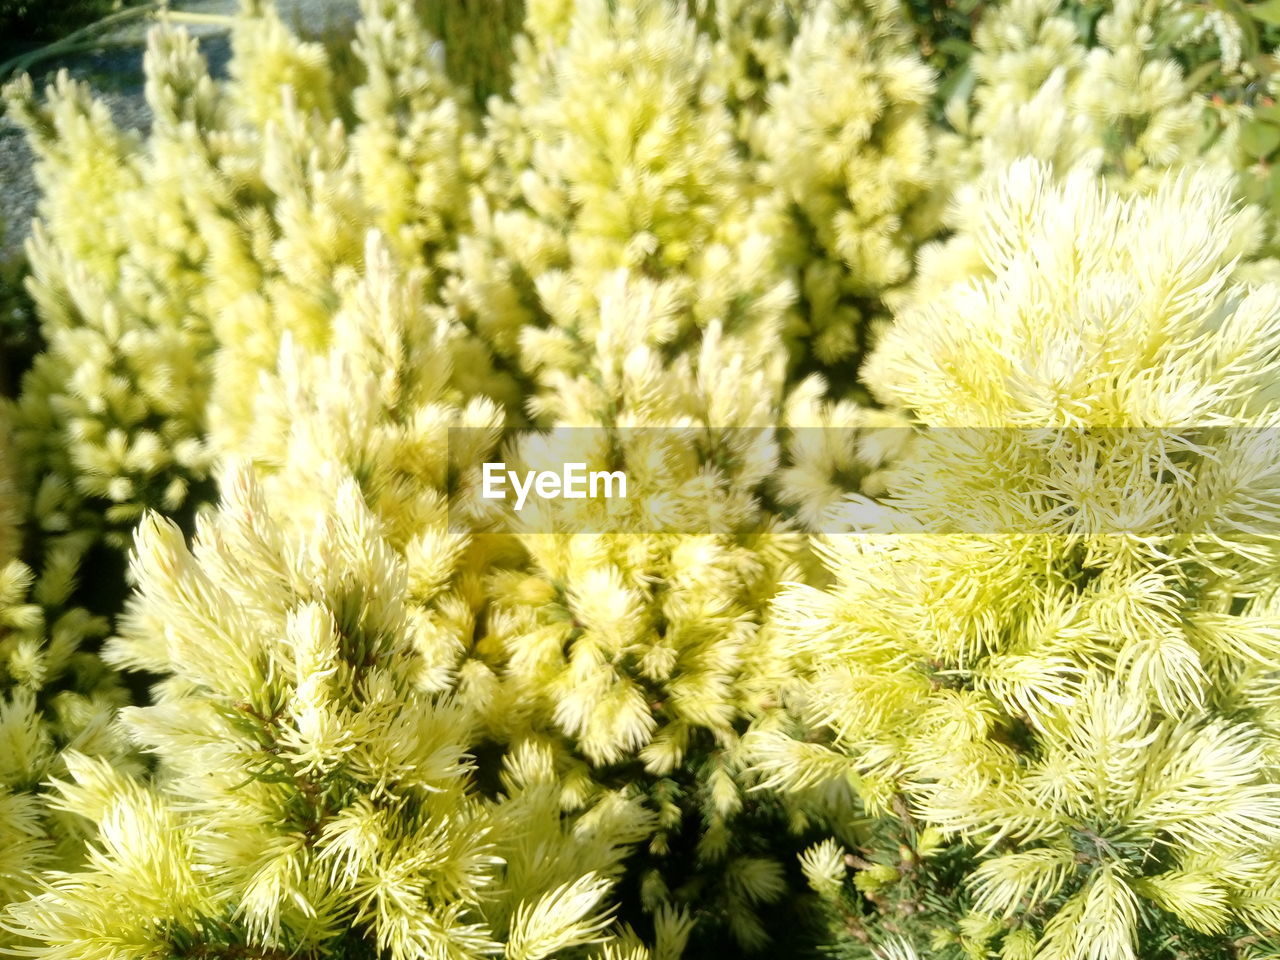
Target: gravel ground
116,74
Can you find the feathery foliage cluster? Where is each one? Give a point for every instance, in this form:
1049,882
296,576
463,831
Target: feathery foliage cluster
971,379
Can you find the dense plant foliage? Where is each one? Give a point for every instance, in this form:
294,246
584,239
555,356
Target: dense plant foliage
941,345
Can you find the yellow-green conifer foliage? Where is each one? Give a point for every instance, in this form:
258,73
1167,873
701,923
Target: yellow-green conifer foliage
647,242
112,412
623,145
319,185
377,403
12,511
650,309
1075,684
312,796
1116,103
845,139
227,226
623,157
53,697
1130,90
166,297
388,726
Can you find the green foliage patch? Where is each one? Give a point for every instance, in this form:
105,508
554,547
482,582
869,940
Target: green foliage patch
961,320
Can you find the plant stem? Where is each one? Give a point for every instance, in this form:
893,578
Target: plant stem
82,39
